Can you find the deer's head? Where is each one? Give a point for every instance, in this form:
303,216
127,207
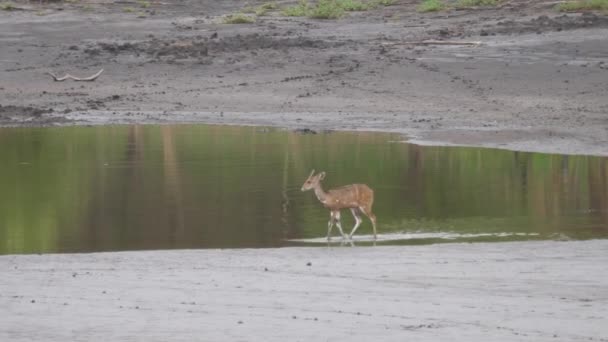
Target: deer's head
313,180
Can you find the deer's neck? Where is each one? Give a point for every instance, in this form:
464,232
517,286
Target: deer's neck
321,195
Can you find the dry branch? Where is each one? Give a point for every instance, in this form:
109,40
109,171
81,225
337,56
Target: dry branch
68,76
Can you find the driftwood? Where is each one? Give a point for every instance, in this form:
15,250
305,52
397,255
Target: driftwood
68,76
437,42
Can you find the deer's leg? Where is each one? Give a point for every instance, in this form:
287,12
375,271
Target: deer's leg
368,212
372,217
338,224
358,221
330,224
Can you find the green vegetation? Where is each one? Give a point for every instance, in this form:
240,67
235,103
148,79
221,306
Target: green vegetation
476,3
439,5
7,6
431,6
353,5
332,9
260,10
583,5
238,18
326,9
144,3
299,10
384,2
128,9
265,8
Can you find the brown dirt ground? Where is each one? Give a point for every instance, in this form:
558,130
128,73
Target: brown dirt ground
537,82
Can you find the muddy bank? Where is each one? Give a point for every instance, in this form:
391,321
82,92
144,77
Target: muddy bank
521,291
30,116
536,82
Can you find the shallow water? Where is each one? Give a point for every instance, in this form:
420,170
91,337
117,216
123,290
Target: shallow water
83,189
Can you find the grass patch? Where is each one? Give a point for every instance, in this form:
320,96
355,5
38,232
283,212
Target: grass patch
353,5
299,10
383,3
326,9
144,3
265,8
238,18
128,9
7,6
583,5
260,10
332,9
475,3
431,6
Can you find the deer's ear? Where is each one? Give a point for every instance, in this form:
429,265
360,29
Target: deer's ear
322,175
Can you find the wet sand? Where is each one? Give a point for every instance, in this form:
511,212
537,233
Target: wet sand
518,291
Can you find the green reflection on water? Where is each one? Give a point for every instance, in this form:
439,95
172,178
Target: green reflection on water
151,187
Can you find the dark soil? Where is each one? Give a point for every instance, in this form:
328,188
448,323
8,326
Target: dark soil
544,23
28,116
201,47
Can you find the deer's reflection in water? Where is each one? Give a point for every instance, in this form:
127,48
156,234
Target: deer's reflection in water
344,242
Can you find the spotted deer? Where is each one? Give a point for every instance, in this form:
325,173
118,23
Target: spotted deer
357,197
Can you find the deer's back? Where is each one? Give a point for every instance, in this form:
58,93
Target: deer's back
349,196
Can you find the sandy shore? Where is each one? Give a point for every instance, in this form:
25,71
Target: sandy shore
536,82
520,291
